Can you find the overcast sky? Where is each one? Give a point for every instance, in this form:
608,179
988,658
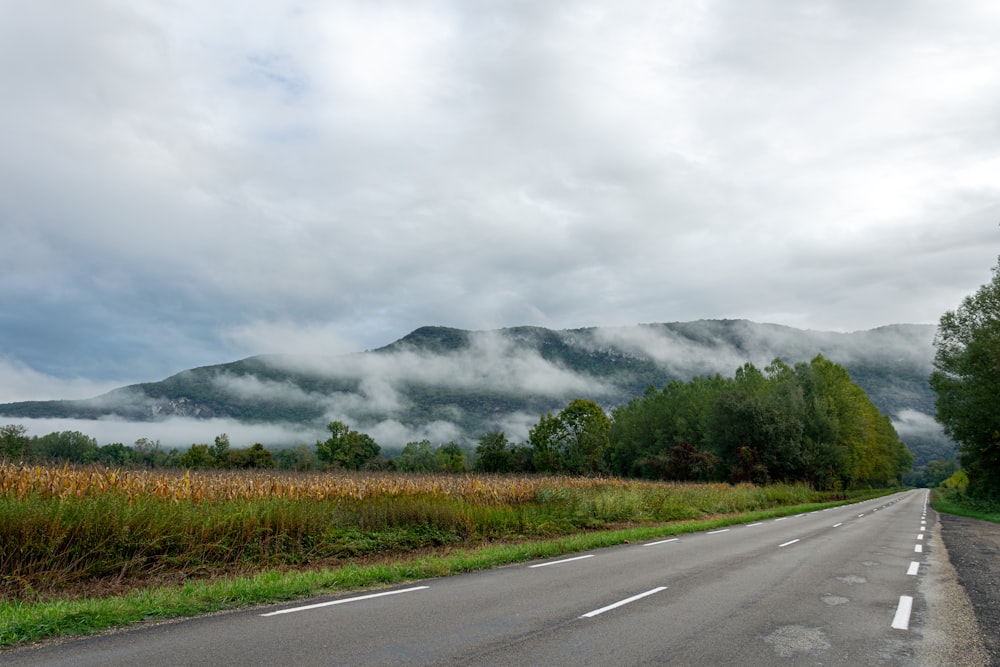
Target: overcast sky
190,183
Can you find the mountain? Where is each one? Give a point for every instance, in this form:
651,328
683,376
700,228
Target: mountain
451,384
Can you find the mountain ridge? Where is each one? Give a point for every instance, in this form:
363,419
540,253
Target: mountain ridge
446,383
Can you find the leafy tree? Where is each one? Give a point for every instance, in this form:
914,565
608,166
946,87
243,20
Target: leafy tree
71,446
151,454
493,453
417,456
574,441
450,458
257,456
220,451
197,456
116,454
299,458
13,441
966,380
346,448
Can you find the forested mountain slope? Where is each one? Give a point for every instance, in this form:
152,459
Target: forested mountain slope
452,384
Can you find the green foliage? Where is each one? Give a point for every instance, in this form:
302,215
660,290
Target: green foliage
495,453
257,456
346,448
934,474
808,422
117,455
197,456
220,451
301,458
966,380
66,446
422,456
575,441
417,456
959,481
13,441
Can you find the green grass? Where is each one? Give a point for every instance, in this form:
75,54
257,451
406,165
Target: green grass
955,502
25,621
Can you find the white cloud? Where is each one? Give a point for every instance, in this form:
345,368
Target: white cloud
179,432
186,183
18,382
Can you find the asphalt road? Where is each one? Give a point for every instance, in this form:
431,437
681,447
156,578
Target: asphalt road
844,586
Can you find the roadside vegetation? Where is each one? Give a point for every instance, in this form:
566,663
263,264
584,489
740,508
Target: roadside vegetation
966,381
84,549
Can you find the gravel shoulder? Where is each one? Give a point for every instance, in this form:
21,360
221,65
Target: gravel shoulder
974,550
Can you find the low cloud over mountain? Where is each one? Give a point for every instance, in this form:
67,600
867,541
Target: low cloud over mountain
454,385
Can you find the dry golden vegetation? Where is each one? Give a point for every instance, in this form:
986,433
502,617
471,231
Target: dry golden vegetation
63,527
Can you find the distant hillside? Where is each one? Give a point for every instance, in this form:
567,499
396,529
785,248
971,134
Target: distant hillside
450,384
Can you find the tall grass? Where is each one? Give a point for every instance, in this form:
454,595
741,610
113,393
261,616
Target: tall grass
60,527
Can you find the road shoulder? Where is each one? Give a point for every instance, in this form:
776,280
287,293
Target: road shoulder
972,548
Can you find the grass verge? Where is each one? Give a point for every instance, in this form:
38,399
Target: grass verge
955,502
24,621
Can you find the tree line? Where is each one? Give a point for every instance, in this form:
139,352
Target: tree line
803,423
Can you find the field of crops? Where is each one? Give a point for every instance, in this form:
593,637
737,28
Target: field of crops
61,526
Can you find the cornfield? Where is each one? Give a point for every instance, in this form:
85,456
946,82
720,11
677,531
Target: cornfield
64,526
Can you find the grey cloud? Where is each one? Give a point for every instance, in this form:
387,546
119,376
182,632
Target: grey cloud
182,183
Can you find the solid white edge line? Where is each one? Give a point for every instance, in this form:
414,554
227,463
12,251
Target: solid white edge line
787,543
564,560
914,566
596,612
653,544
901,621
344,601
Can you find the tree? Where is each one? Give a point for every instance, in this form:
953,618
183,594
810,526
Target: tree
417,456
450,458
966,381
13,441
197,456
220,452
346,448
299,458
574,441
116,454
493,453
257,456
71,446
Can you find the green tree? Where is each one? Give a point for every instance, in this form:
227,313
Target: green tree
493,453
574,441
71,446
197,456
417,456
346,448
257,456
13,441
450,458
220,451
966,381
116,454
299,458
